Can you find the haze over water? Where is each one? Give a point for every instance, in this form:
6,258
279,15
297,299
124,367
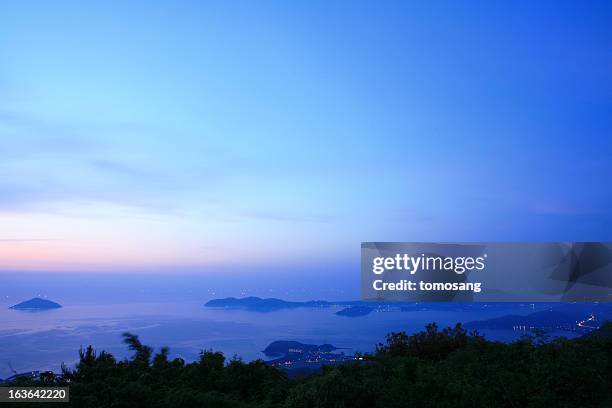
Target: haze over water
44,339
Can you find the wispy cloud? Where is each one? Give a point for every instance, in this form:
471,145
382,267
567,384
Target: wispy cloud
28,239
44,164
285,217
565,208
26,135
121,169
412,214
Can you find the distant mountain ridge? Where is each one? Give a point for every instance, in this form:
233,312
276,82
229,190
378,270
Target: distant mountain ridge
534,319
581,317
36,304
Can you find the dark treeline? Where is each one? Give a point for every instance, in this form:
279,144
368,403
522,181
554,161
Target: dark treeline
433,368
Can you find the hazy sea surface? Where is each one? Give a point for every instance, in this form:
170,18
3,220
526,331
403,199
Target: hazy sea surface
44,339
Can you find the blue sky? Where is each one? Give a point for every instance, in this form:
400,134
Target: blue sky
167,136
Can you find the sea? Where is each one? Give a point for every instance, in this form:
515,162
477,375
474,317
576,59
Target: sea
44,340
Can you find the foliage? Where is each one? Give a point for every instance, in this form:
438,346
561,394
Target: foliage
433,368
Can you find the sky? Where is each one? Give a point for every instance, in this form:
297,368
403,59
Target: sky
251,136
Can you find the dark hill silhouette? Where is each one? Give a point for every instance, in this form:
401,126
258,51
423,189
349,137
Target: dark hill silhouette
259,304
36,304
284,347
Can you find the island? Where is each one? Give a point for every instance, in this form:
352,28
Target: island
269,304
300,358
567,317
574,317
355,311
36,304
277,348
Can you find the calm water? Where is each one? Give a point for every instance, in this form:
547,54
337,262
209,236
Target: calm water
43,340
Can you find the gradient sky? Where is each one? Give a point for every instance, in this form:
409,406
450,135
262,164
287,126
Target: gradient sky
176,135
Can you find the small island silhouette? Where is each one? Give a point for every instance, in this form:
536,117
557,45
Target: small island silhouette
281,347
36,304
300,358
